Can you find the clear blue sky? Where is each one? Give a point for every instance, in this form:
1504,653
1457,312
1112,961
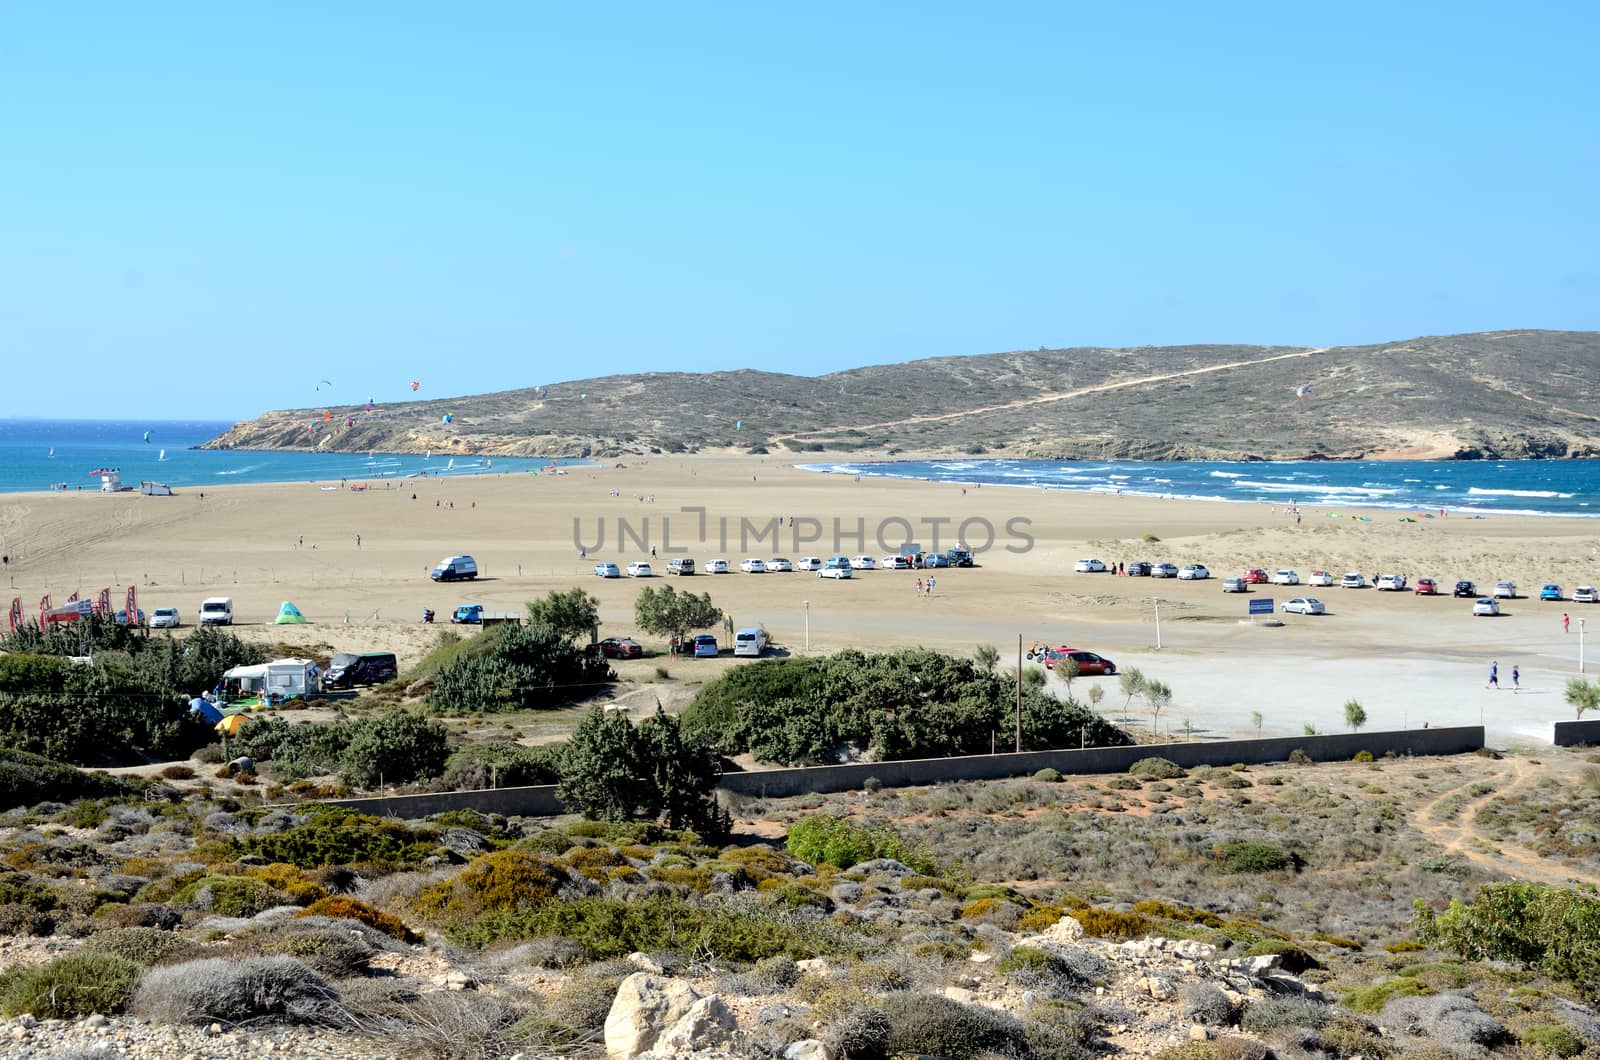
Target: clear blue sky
207,207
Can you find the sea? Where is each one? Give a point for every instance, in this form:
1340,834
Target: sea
38,455
1472,487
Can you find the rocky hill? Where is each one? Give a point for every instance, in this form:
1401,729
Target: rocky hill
1490,395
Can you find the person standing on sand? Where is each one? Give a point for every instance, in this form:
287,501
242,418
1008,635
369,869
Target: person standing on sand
1516,679
358,540
919,586
1494,675
1566,622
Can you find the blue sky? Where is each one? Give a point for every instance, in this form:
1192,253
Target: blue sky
206,208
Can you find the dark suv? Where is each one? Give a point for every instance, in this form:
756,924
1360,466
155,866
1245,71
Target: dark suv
1138,569
1465,588
347,669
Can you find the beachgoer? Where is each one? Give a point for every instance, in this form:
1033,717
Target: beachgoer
1516,679
583,553
358,540
1494,675
930,586
652,552
302,543
1566,622
919,586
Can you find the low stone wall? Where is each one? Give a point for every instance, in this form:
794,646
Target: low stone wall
541,801
1576,734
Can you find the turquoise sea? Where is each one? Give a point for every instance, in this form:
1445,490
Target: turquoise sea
1473,487
39,454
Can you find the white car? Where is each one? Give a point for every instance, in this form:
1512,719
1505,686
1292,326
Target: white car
839,572
779,565
636,569
1485,606
811,563
1163,570
1505,590
863,563
753,566
1235,585
1194,572
167,618
895,563
1583,594
1320,578
607,570
1391,583
1303,605
1090,566
1353,580
717,566
1285,577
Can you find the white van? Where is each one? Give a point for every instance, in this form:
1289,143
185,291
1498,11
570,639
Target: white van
750,643
217,611
455,568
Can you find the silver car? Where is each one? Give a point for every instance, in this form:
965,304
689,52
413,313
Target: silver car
1303,605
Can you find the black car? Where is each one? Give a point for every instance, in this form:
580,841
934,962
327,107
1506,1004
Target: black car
1138,569
348,669
1465,588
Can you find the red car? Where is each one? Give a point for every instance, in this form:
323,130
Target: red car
1089,664
1254,576
620,648
1426,587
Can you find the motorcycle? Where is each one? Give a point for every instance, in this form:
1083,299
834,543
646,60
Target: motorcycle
427,616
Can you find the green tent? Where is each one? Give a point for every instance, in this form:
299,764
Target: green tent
289,615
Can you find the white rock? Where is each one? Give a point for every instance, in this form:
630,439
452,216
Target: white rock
96,1019
1158,987
708,1023
1260,965
1198,1033
645,963
980,957
818,966
807,1049
1194,950
1064,930
956,993
458,980
645,1006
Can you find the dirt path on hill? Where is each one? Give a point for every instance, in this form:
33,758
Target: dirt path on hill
1065,395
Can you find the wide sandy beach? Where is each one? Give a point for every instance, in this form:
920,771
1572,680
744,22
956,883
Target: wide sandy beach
1409,660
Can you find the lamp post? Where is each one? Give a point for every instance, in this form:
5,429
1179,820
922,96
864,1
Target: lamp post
1580,645
808,626
1158,623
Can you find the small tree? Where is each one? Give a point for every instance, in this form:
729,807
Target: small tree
1582,696
1355,715
601,776
573,614
1188,729
988,657
1131,683
1310,729
669,613
1159,695
1096,694
1067,667
614,771
1255,719
397,748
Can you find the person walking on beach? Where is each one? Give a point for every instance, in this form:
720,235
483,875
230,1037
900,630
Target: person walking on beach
930,586
1566,622
919,586
358,540
1516,679
1494,675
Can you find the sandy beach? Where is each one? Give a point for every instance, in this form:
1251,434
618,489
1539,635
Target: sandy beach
1409,660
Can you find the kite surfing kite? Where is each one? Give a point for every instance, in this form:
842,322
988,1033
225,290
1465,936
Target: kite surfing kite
323,382
146,437
416,384
447,418
738,425
350,421
327,416
1302,391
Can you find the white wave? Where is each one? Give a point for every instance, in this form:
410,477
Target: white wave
1305,488
1116,476
1226,474
240,470
1441,487
1476,492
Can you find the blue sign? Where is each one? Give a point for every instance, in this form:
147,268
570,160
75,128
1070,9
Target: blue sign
1262,606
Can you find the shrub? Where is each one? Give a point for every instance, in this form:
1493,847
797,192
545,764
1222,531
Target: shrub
1549,928
507,881
1109,924
582,1003
1156,769
863,1033
290,880
1273,1012
336,836
1252,858
1047,775
932,1024
615,771
254,990
28,779
78,984
1362,756
343,908
1203,1003
465,1025
1371,999
1552,1036
178,772
823,839
501,765
229,895
148,946
330,952
518,668
399,748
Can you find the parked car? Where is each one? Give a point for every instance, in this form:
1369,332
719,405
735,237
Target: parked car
1505,590
1426,587
779,565
216,611
138,616
750,643
620,648
1089,664
467,615
1321,579
895,563
1583,594
1254,576
811,563
1235,585
455,568
1391,583
1090,566
705,646
753,566
935,560
717,566
1138,569
863,563
1194,572
1353,580
1465,588
639,569
1163,570
1285,577
1486,605
1303,605
959,557
165,618
607,570
1550,591
837,567
680,565
348,669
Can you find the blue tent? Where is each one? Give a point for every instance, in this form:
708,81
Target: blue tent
206,709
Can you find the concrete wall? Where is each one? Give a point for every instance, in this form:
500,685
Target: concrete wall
541,801
1576,733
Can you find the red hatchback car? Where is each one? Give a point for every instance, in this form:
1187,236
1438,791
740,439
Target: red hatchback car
1089,664
620,648
1254,576
1426,587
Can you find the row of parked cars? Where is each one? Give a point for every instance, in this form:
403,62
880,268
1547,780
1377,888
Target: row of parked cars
824,568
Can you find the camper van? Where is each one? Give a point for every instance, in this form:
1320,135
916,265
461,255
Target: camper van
272,683
750,643
217,611
455,568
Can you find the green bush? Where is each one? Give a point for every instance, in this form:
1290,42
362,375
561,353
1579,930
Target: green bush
616,771
823,839
337,836
1110,924
502,765
1371,999
935,1025
518,668
69,987
1157,769
1552,1036
229,895
1291,958
28,779
1554,930
398,748
507,881
143,945
1252,858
